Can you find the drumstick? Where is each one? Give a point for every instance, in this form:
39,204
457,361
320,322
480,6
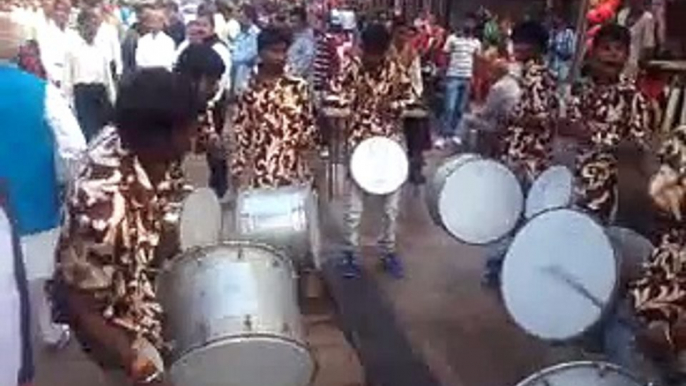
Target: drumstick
568,279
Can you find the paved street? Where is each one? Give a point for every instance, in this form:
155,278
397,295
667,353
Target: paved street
455,326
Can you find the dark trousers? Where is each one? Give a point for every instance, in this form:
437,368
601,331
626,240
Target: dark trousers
93,108
218,166
418,139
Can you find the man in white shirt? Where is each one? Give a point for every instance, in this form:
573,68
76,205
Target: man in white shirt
156,48
41,149
52,41
107,39
461,49
641,23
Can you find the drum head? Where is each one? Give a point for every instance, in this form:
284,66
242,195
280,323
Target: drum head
247,361
480,202
551,190
634,249
559,275
201,219
379,165
583,374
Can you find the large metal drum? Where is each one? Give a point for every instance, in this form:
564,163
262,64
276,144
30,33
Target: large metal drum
560,275
583,373
476,200
233,318
287,218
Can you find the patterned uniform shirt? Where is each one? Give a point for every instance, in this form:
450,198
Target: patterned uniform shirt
610,113
375,98
274,130
530,127
115,221
659,295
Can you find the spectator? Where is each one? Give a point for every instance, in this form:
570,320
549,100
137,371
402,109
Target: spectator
641,24
175,27
462,47
245,50
155,48
52,38
302,50
562,47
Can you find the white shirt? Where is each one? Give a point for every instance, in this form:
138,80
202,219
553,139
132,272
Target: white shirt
224,53
107,39
642,37
53,43
10,306
461,51
70,143
233,28
155,50
87,64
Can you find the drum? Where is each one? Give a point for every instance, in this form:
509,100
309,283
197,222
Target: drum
200,222
476,200
379,165
583,373
559,275
233,318
633,249
287,218
553,189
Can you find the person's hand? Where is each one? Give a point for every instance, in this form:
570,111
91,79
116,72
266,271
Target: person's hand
667,191
147,365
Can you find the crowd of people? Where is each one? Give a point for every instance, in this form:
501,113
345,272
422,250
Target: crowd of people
101,102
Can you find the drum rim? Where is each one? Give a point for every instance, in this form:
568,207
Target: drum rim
587,363
196,191
519,215
194,252
528,194
303,347
352,170
613,294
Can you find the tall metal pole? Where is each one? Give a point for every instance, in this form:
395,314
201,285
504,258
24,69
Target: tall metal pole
581,29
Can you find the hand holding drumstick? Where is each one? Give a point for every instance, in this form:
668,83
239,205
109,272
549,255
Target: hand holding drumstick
667,191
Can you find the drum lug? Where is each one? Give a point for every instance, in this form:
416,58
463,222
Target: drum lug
247,322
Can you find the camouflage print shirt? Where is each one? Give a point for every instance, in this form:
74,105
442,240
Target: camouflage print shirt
274,130
115,222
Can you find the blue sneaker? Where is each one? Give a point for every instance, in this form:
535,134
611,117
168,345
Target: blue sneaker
392,265
349,266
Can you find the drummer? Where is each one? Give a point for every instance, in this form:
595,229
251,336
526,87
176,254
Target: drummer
652,323
375,88
606,108
118,230
527,134
274,124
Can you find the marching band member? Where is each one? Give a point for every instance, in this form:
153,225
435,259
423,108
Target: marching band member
527,134
606,108
527,142
375,88
274,124
118,229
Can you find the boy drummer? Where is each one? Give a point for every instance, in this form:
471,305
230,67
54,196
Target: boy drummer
274,124
375,88
117,232
606,108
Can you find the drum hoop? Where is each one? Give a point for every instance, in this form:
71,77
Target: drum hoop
195,252
566,365
303,346
615,288
519,216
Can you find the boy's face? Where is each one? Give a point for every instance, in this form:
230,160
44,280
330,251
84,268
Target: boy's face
609,58
274,56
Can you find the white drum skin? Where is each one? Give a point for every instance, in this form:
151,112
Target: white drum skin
477,200
435,186
553,249
233,318
200,221
285,217
583,373
553,189
379,165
